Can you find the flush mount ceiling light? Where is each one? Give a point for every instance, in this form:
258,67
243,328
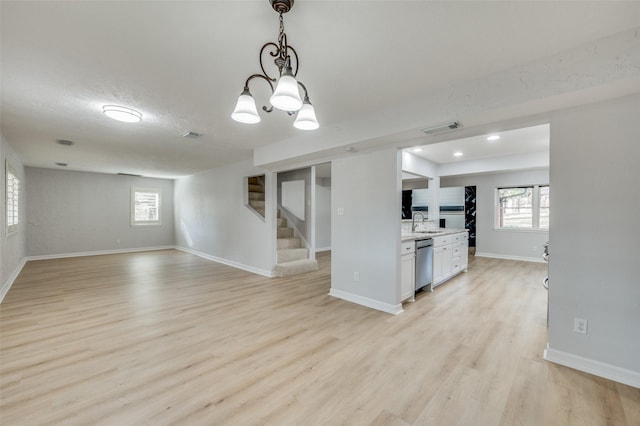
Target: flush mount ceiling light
493,137
458,154
121,113
286,95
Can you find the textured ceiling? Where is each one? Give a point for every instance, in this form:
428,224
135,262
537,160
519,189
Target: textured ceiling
183,64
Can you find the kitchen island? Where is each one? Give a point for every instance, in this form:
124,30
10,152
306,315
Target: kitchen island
450,257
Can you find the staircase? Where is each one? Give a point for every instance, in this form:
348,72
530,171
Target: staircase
255,190
293,259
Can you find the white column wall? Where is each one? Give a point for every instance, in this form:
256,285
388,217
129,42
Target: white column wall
595,238
365,239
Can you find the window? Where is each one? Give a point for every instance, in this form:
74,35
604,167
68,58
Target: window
13,199
523,207
145,206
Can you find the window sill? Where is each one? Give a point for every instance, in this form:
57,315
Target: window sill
136,225
523,230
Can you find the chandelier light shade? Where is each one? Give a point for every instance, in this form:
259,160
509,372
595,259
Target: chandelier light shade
121,113
306,118
286,96
246,111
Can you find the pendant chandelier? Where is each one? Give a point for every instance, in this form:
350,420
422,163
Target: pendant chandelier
286,95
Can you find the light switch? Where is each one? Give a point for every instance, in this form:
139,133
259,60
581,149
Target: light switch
340,211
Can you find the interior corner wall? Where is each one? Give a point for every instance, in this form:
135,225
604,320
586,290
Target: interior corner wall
212,220
323,213
595,234
13,246
503,243
73,213
365,232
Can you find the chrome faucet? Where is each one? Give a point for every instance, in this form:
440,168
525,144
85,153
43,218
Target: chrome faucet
413,220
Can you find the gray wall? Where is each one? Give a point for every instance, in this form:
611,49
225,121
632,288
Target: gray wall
503,243
323,213
212,220
77,212
595,232
366,238
12,247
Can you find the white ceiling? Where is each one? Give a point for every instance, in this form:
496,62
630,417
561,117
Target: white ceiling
527,140
183,64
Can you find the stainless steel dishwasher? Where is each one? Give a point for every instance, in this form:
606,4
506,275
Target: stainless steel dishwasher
424,264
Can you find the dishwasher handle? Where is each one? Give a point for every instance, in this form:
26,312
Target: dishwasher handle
424,243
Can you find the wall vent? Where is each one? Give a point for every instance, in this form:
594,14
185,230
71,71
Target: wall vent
442,128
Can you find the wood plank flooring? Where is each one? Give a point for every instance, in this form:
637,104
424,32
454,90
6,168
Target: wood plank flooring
165,337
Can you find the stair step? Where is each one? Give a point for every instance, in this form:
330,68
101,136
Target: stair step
256,204
256,195
296,267
255,188
282,222
285,232
260,211
288,243
254,180
287,255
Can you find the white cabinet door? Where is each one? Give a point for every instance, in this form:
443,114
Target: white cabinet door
407,276
441,263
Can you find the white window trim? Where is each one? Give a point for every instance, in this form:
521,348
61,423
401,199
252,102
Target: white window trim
535,205
133,207
13,228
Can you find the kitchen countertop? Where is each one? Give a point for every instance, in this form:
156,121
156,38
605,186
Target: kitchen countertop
412,236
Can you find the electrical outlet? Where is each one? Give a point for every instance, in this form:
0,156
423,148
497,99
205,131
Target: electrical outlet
580,325
356,276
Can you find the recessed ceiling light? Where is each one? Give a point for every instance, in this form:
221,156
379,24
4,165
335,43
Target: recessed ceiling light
122,113
458,154
417,149
493,137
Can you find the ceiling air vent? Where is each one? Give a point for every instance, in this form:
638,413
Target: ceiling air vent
442,128
129,174
64,142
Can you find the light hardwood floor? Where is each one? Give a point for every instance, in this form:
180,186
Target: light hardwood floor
168,338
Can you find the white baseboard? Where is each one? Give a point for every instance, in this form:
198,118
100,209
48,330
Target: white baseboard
597,368
508,257
263,272
6,286
323,249
98,252
365,301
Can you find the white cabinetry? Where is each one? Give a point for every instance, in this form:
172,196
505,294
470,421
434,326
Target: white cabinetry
450,256
407,270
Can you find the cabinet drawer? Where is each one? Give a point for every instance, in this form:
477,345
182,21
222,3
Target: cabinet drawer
408,247
441,241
